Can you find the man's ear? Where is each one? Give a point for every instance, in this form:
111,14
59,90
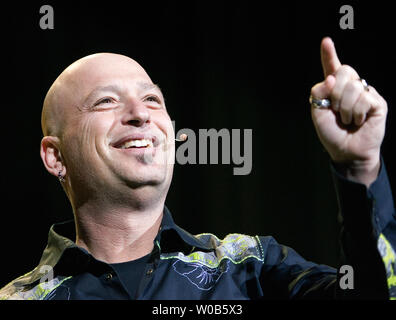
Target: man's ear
51,156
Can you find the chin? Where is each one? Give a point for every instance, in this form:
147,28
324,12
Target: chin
145,176
141,171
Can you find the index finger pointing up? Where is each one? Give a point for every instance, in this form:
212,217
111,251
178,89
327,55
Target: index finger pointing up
328,54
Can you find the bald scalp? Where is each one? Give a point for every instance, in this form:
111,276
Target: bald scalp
61,94
50,121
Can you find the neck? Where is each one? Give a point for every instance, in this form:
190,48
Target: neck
118,234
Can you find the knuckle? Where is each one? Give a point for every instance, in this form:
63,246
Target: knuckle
318,89
383,102
355,85
347,69
384,106
315,89
336,94
365,99
341,69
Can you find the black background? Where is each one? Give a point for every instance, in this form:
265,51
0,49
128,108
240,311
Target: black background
236,65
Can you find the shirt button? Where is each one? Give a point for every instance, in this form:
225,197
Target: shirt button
108,276
149,271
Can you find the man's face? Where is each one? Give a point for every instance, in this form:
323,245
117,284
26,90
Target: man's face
117,130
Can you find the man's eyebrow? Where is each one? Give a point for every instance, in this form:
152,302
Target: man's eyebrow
148,86
145,86
97,89
112,87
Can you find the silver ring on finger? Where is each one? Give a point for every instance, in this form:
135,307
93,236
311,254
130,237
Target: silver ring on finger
319,103
365,84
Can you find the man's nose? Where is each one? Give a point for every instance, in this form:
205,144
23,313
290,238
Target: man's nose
137,114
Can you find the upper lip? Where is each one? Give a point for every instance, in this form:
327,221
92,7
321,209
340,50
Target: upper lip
137,136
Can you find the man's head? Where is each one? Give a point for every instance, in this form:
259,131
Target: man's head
107,131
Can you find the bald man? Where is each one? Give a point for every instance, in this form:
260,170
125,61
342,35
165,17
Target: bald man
109,140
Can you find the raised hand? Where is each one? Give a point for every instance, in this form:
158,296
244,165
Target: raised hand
353,127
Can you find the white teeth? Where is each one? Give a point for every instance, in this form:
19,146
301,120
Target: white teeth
137,143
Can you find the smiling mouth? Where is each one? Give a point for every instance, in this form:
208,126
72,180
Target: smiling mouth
136,143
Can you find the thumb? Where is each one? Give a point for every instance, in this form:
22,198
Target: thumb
323,89
328,54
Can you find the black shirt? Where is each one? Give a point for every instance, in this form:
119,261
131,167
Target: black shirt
130,273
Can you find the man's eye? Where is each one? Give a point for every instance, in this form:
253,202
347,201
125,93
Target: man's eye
153,99
104,100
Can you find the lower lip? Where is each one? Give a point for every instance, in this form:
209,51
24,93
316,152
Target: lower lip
139,151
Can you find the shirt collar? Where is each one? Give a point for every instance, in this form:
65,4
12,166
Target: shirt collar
62,252
170,235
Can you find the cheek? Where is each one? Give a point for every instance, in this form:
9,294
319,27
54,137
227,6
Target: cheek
164,123
88,138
